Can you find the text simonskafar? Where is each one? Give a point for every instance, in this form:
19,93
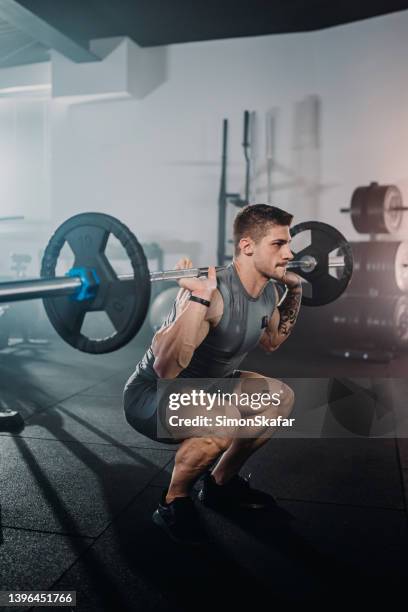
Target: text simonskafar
224,421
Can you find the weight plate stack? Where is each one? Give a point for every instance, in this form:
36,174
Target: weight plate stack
380,268
357,322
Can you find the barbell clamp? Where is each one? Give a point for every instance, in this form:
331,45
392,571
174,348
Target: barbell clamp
89,283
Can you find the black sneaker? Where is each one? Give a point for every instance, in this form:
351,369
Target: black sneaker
180,520
236,493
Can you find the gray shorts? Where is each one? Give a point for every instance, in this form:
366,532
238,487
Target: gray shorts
140,402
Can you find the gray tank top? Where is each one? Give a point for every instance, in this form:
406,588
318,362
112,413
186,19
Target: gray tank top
238,332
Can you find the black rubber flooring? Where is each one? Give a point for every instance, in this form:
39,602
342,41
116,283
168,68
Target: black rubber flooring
78,487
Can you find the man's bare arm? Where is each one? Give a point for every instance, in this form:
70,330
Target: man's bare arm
174,345
283,319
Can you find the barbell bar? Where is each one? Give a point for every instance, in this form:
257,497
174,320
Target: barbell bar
307,265
29,289
92,284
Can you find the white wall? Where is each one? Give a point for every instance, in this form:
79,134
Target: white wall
24,158
155,162
363,84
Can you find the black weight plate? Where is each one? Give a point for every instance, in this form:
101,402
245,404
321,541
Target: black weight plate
11,420
125,302
324,240
358,210
376,209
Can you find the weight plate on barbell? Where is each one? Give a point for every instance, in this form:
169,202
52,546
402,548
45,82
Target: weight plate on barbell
377,209
326,242
125,302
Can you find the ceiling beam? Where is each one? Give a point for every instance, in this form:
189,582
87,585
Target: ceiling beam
43,32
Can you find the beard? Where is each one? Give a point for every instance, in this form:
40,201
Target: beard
276,272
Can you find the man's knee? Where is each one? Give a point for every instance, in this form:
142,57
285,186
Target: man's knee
222,443
215,445
285,393
287,401
201,450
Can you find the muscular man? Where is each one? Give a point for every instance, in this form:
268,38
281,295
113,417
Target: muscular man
214,323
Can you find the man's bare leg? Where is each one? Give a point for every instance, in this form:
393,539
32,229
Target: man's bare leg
241,449
192,459
195,455
199,449
235,457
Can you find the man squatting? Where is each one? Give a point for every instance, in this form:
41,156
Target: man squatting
214,323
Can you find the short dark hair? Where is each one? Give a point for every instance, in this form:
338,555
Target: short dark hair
255,220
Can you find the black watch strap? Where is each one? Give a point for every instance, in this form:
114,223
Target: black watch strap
199,300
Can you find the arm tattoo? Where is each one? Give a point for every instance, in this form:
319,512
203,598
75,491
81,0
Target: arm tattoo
289,310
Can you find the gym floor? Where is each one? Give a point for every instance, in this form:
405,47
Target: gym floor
78,487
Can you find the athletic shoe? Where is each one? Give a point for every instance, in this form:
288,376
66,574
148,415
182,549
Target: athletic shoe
235,494
180,520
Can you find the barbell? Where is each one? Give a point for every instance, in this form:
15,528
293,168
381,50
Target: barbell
376,209
325,265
